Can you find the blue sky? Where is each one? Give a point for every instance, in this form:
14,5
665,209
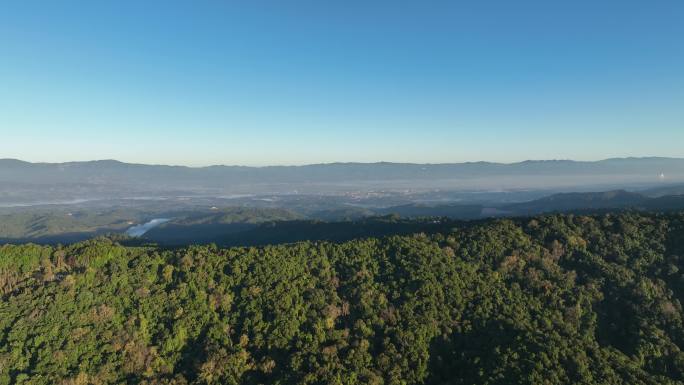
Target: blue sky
294,82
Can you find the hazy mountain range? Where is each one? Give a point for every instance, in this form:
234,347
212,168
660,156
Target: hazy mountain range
471,175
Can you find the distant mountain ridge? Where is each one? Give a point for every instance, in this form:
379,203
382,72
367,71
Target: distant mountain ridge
388,170
128,179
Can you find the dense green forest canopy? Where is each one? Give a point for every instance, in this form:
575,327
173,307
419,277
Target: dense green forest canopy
545,300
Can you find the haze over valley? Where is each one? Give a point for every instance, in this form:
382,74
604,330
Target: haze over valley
67,202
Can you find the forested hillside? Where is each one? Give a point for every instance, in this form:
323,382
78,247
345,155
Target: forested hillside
546,300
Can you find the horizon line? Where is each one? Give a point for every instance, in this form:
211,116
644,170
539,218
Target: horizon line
340,162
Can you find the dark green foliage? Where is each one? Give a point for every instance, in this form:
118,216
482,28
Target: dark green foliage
275,232
547,300
66,226
33,224
249,215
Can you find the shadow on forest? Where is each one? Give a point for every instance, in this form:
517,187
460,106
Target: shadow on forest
460,355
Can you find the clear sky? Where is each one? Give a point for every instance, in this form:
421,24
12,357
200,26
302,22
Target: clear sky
292,82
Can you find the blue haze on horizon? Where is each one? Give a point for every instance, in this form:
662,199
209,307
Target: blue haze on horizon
273,82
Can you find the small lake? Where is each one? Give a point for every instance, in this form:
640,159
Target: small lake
139,230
